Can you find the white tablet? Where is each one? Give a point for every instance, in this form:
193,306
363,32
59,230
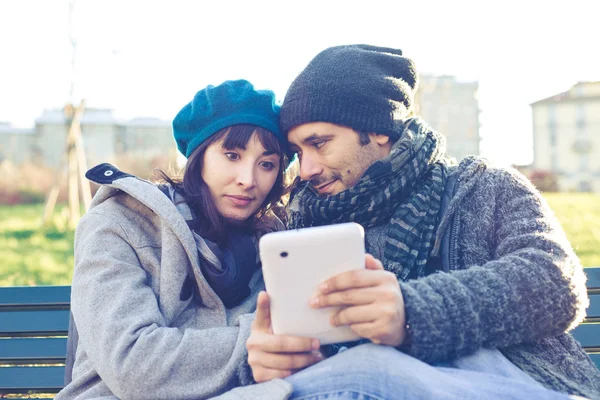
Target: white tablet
295,263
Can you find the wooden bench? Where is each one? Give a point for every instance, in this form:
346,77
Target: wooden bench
34,323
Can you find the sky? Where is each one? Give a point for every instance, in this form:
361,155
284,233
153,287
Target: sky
148,58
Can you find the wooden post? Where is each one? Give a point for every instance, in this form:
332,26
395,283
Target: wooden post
74,158
73,190
86,192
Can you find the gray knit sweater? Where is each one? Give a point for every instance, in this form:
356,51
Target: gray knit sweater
515,283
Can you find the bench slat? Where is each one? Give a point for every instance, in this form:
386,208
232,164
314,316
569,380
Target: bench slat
596,359
34,323
588,335
35,295
31,379
593,310
33,351
593,277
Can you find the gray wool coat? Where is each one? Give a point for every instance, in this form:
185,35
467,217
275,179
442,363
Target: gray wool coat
150,326
510,280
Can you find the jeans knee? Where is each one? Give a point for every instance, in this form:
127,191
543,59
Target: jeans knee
368,369
375,352
378,361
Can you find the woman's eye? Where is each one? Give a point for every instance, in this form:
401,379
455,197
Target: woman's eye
232,156
269,166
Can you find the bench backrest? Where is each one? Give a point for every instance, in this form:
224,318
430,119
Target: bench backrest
33,338
34,323
588,333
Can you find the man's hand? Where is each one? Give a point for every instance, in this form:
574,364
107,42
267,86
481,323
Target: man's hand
276,356
372,303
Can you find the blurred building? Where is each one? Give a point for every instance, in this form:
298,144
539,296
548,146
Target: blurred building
451,108
105,139
145,137
566,137
15,144
99,130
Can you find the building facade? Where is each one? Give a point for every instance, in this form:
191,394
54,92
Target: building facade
451,107
105,139
15,144
566,137
146,137
98,129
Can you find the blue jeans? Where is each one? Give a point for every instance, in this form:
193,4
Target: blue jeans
372,371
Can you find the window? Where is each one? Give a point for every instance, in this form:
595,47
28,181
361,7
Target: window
584,162
584,186
552,125
580,118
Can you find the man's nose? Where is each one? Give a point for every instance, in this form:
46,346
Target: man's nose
309,168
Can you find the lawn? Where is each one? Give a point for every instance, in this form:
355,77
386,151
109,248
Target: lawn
31,254
579,214
34,255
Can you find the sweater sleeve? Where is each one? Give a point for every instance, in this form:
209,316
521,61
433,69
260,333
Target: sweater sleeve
532,287
125,335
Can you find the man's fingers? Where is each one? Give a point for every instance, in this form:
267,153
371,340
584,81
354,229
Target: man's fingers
373,263
262,320
366,330
282,344
380,332
284,361
350,297
355,315
358,278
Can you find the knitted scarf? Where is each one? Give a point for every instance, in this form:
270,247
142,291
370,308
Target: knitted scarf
404,190
228,267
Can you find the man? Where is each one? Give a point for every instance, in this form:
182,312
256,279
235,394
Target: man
471,256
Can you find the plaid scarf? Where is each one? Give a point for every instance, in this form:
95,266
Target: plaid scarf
404,190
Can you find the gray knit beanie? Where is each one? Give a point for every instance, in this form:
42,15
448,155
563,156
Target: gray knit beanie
366,88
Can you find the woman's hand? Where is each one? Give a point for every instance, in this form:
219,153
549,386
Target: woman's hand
371,301
277,356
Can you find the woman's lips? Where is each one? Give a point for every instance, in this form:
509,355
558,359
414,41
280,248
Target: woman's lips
240,201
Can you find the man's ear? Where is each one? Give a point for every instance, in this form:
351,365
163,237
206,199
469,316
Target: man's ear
381,140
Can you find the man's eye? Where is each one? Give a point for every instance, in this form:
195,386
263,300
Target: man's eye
318,145
233,156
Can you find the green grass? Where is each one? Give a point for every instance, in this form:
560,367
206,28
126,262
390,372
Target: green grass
34,255
31,254
579,214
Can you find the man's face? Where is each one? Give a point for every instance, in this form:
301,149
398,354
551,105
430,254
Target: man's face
331,156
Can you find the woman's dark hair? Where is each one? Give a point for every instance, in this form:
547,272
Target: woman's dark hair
208,222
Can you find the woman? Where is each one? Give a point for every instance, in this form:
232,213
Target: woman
166,276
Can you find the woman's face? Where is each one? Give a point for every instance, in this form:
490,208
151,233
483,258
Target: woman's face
239,179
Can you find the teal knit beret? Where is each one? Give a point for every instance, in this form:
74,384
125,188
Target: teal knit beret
217,107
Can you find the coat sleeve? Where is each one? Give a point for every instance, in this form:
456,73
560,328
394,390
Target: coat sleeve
529,285
124,333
